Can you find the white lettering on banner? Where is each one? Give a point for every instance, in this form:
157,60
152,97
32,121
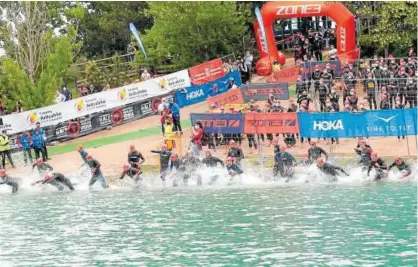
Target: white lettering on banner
328,125
390,128
85,125
146,108
105,120
194,94
168,99
128,113
61,131
342,38
260,36
298,9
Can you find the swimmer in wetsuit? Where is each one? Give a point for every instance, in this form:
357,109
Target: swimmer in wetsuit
8,180
83,153
314,153
135,158
364,151
283,164
211,162
400,164
235,152
329,169
233,168
42,166
96,172
164,160
191,164
379,165
56,179
176,169
133,173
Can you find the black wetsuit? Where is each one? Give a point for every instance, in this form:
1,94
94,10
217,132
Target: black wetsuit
212,161
316,75
283,163
43,168
371,93
314,153
58,180
379,165
134,173
332,170
164,161
323,91
234,169
96,173
402,167
190,165
236,153
10,181
334,97
134,157
365,157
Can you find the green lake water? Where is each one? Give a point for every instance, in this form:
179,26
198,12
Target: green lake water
297,225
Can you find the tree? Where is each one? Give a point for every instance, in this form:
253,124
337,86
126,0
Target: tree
192,32
105,27
37,59
386,25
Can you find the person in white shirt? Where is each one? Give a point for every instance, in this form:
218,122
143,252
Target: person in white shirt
145,75
59,97
248,61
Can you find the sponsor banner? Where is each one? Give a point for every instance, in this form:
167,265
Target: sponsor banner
395,122
307,68
256,123
196,94
260,91
289,75
206,72
231,97
220,123
167,83
236,106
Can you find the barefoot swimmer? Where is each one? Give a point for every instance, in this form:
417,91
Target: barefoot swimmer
56,179
8,180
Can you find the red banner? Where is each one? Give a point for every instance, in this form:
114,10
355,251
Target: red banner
233,96
256,123
286,75
207,72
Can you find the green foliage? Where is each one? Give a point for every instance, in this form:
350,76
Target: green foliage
386,24
105,27
189,33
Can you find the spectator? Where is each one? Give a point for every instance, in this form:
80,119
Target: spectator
248,61
59,97
5,149
244,71
19,107
82,91
39,144
43,135
384,103
131,52
411,92
25,144
175,110
66,93
197,134
106,88
91,90
145,75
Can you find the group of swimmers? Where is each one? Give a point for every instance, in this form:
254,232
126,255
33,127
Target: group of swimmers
284,162
183,168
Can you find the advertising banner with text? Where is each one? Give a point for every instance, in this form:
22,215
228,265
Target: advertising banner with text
206,72
395,122
196,94
260,91
288,75
233,96
269,123
220,123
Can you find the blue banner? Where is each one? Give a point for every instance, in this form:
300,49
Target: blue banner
196,94
395,122
307,68
220,123
260,91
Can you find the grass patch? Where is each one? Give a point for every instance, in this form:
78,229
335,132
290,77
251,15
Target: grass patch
55,150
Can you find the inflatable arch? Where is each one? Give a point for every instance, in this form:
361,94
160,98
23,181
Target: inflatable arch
271,11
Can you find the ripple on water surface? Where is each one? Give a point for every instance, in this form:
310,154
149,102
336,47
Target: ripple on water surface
288,226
